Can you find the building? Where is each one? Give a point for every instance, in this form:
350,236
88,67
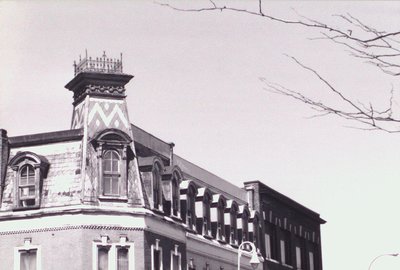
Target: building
292,236
106,194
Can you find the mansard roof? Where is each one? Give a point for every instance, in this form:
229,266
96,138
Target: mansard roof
45,138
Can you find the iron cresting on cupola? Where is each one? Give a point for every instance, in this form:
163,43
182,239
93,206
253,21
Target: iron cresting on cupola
100,109
99,94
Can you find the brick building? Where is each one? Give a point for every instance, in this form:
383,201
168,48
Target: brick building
106,194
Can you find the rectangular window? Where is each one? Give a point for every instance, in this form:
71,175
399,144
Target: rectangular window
157,260
28,260
267,246
122,259
311,260
27,257
176,264
298,258
102,258
283,255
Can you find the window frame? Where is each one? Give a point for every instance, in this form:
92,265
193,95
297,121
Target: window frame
233,228
176,253
113,248
156,247
113,140
156,186
191,207
175,194
206,219
26,248
40,167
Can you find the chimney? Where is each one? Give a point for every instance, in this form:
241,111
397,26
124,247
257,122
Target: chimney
3,158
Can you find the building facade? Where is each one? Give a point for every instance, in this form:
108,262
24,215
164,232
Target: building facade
106,194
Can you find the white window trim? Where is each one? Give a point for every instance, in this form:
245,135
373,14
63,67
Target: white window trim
156,247
311,260
112,254
27,246
176,253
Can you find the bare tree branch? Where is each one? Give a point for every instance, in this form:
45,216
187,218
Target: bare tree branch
377,47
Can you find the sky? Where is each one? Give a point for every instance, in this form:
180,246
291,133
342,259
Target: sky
197,84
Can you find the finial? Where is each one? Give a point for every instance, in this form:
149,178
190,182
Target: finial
104,54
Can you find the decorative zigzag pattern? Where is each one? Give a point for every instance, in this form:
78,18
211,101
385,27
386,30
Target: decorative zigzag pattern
77,121
98,111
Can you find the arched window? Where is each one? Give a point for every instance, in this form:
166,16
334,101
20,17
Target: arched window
29,171
233,225
191,212
175,193
27,186
207,200
111,173
221,205
245,226
114,155
156,186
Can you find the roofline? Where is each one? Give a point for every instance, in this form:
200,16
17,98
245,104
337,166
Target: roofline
279,196
45,138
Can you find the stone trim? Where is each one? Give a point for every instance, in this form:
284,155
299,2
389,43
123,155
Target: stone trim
73,227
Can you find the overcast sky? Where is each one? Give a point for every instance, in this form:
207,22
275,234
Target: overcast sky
197,84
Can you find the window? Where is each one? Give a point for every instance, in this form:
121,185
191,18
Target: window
175,193
27,186
300,253
190,212
245,226
156,186
108,255
28,260
285,245
219,227
102,259
111,173
176,259
29,171
122,258
313,257
267,246
114,154
271,235
233,225
156,256
27,257
311,260
206,214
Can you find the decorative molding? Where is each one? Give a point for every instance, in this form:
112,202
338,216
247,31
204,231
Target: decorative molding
74,227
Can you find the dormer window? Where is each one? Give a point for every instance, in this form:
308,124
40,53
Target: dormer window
221,223
206,222
156,186
233,239
244,223
190,207
29,171
113,153
176,178
218,217
203,204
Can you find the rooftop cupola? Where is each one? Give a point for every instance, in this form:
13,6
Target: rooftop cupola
99,94
100,76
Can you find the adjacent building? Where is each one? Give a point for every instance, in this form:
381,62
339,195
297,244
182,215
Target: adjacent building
106,194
